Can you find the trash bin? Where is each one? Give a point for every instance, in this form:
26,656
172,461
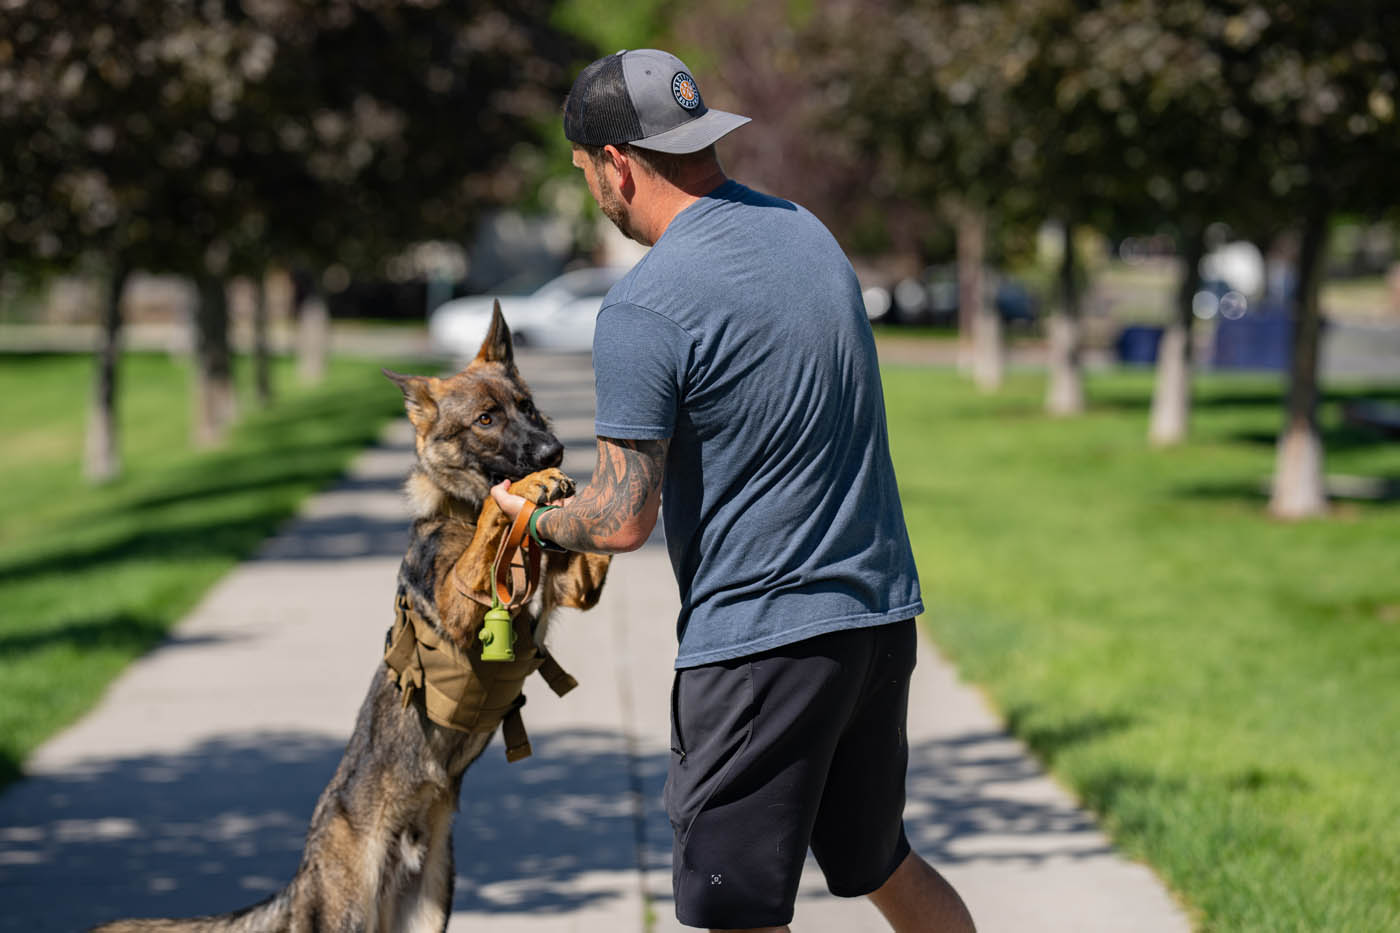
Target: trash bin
1261,340
1137,345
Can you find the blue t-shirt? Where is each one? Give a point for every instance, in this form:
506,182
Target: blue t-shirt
742,337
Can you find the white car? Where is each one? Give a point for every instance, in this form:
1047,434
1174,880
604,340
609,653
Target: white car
559,315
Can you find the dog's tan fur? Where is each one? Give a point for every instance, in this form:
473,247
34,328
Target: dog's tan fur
378,853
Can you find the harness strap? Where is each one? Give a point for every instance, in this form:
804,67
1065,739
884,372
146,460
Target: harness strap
401,651
559,680
513,732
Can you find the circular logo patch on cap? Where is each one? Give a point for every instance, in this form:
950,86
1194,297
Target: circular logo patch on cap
685,91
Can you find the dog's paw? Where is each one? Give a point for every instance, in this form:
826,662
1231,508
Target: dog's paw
544,486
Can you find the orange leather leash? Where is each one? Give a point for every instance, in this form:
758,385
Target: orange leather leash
506,571
516,570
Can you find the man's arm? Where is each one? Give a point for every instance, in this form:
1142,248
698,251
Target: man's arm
613,513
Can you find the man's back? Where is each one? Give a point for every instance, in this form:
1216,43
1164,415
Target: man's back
742,338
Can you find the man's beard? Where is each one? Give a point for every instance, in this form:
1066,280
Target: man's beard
615,209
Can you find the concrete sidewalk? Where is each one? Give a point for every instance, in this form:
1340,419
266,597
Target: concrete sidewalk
189,788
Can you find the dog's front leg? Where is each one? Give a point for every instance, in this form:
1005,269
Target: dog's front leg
462,615
576,579
469,575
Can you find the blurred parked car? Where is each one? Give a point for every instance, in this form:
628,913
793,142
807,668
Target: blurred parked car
558,315
932,299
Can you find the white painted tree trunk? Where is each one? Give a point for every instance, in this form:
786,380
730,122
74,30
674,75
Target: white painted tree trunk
313,338
1299,483
1064,394
1298,490
1170,420
1171,394
989,351
102,454
971,247
986,349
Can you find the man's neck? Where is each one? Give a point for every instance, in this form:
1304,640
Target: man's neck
669,200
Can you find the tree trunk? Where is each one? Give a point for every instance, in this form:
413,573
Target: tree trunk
1298,490
987,351
214,403
262,368
1171,395
313,331
971,247
1065,393
102,457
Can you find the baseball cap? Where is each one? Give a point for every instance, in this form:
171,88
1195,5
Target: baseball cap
644,97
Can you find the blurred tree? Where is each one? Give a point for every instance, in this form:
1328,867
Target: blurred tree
923,104
1129,112
750,60
208,138
1316,84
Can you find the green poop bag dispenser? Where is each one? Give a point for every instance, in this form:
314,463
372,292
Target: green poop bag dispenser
497,634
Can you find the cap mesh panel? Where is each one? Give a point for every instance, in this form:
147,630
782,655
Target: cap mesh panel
598,110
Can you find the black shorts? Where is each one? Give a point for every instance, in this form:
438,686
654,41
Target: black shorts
801,745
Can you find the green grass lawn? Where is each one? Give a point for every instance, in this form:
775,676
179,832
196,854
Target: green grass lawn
1223,688
92,576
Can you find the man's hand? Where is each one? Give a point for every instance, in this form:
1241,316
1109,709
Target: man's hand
615,512
509,502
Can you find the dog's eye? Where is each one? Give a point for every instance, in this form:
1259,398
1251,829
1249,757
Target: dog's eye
484,419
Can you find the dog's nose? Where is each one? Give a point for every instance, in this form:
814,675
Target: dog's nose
550,452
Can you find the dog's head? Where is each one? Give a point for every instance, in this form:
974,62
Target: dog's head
480,426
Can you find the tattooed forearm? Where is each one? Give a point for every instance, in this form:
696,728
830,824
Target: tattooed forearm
618,508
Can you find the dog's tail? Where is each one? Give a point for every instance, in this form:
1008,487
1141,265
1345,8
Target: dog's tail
269,916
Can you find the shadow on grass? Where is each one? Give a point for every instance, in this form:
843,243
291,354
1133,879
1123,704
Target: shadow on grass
1383,491
1255,493
264,482
1106,791
1260,394
1048,741
1335,438
254,475
222,825
216,537
126,631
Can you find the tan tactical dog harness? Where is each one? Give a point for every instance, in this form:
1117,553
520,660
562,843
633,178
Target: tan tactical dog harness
460,690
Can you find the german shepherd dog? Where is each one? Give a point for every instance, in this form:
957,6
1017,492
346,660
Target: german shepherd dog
378,853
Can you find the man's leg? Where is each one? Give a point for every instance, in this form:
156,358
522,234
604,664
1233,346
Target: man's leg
752,741
916,898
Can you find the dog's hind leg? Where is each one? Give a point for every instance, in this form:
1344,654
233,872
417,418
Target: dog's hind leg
427,898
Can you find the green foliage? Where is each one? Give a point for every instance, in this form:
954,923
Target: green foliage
1222,688
609,25
205,137
1117,111
92,577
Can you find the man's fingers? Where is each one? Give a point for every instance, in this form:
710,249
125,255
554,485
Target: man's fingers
509,502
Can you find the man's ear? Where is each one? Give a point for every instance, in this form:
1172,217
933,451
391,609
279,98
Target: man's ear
418,398
620,163
497,348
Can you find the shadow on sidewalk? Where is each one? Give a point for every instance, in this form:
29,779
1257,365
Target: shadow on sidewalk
222,826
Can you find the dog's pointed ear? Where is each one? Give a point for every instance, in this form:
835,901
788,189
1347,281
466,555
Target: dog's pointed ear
496,348
418,398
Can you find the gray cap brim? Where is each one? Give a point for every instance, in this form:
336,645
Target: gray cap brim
693,135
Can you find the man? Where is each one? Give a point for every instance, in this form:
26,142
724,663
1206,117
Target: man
736,377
